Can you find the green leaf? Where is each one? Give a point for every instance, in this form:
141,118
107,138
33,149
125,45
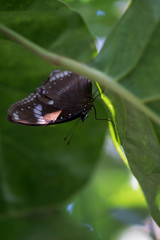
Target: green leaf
129,44
131,56
100,15
43,226
120,199
38,169
50,24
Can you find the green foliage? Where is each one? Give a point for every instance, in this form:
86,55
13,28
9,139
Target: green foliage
131,56
39,173
51,25
99,16
39,158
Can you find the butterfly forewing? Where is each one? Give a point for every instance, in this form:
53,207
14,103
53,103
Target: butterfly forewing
66,89
64,96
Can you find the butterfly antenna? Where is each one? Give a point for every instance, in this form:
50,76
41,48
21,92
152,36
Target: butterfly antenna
71,132
99,94
95,92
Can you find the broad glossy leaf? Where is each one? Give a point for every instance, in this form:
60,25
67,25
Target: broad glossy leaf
101,15
50,24
38,169
131,56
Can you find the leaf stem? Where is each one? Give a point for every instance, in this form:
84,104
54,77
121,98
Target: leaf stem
81,69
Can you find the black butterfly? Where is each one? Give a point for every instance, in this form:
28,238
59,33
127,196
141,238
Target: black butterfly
63,97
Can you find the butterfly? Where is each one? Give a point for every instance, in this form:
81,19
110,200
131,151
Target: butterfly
63,97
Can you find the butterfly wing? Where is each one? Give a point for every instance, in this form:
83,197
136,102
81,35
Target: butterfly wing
66,90
59,99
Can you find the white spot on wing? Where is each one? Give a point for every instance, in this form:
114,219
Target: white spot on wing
66,73
61,74
15,115
51,102
39,107
38,116
52,79
58,75
36,111
41,121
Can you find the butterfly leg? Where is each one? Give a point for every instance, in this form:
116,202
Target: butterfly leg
95,114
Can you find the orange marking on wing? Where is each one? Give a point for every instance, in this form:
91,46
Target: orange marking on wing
52,116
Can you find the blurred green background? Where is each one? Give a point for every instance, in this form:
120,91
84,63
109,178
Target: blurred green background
50,190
